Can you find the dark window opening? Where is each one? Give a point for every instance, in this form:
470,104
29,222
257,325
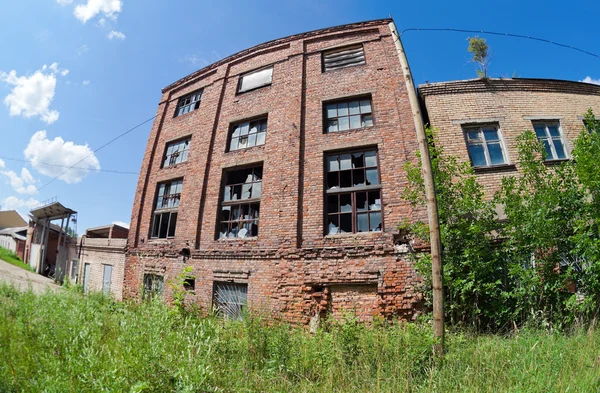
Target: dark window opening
240,207
255,79
348,114
189,284
176,153
153,285
353,201
348,56
165,213
248,134
188,103
229,299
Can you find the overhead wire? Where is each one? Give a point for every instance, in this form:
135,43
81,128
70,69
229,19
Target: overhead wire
65,166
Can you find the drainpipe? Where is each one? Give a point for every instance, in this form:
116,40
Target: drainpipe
432,210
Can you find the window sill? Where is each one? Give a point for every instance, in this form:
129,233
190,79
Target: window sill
257,147
350,130
175,166
239,93
347,235
495,168
238,239
160,240
556,162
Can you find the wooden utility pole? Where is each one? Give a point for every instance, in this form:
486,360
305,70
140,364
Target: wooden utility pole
432,211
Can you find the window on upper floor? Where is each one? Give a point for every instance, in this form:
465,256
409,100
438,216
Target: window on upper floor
229,299
353,200
549,133
164,220
255,79
485,146
347,114
176,152
347,56
240,206
188,103
248,134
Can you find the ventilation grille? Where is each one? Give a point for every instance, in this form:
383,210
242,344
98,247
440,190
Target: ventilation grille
344,57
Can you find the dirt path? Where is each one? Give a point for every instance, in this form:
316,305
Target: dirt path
24,279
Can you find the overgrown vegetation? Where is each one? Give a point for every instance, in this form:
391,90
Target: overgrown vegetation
540,266
61,342
12,258
481,54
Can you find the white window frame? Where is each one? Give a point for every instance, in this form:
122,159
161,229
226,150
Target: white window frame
479,128
550,138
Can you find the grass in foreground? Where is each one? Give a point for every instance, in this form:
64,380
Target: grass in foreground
60,342
12,258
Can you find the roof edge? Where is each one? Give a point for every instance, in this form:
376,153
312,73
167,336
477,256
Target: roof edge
268,43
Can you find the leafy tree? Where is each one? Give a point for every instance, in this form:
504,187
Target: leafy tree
481,55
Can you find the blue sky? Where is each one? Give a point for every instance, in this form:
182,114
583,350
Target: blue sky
76,73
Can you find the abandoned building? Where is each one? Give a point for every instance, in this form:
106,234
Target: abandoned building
100,265
479,120
277,174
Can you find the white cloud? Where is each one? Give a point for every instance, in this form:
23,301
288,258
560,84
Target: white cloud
64,2
194,60
122,224
2,164
589,79
23,184
44,154
110,9
31,96
83,49
116,34
85,82
14,203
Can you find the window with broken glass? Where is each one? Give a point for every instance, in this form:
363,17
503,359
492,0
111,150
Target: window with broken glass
240,206
353,200
255,79
485,145
153,285
165,211
348,114
229,299
248,134
549,134
176,152
188,103
347,56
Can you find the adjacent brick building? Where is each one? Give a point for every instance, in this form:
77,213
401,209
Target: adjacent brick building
479,120
277,174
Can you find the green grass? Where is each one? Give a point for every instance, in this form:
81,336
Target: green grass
67,342
12,258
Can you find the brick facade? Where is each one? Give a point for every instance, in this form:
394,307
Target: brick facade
511,104
98,253
292,268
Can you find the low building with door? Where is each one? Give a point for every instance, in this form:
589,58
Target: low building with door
13,232
101,260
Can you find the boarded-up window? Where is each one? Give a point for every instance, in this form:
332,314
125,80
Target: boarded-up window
255,79
229,299
343,57
360,300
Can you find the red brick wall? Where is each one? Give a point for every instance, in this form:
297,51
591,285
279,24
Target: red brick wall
511,103
291,257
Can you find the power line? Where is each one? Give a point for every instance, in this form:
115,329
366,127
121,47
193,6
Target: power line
505,35
98,149
64,166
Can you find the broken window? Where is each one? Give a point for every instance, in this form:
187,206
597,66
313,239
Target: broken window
229,299
485,146
188,103
248,134
189,284
240,207
550,135
347,56
255,79
353,193
165,211
176,152
348,114
153,285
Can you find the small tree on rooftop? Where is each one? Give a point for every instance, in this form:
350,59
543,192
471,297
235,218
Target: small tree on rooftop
481,54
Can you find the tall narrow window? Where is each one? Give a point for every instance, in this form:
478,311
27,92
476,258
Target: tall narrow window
549,134
347,56
188,103
165,212
485,146
348,114
248,134
153,285
176,153
240,206
353,193
255,79
229,299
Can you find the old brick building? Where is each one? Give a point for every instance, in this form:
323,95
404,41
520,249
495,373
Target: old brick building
276,174
479,119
